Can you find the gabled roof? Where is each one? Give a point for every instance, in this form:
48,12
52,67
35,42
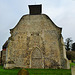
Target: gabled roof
59,28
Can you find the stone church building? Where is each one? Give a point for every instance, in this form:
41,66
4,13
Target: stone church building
36,42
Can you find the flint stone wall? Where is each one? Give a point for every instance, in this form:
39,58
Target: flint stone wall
35,42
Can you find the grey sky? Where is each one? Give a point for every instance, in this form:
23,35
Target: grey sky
62,12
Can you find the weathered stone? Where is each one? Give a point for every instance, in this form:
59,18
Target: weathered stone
73,70
9,66
37,43
3,56
23,72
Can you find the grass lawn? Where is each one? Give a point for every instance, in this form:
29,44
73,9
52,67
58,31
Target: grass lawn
49,72
8,71
72,64
36,71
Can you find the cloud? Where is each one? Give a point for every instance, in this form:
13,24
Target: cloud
60,11
67,20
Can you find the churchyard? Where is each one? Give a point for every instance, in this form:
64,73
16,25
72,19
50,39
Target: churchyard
35,46
37,71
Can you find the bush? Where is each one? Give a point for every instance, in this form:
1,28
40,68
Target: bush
70,55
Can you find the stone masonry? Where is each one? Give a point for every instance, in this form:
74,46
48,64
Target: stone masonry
36,42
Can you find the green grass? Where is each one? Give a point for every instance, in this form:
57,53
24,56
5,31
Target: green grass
49,72
8,71
72,64
36,71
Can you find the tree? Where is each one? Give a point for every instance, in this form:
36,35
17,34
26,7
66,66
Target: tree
73,46
68,44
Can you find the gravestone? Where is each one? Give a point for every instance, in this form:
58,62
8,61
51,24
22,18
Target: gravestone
73,70
23,72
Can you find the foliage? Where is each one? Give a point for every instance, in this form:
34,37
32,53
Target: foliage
68,43
73,47
70,55
36,71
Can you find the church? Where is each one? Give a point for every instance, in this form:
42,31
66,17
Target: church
36,42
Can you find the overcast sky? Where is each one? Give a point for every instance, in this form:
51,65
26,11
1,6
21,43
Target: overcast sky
62,12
